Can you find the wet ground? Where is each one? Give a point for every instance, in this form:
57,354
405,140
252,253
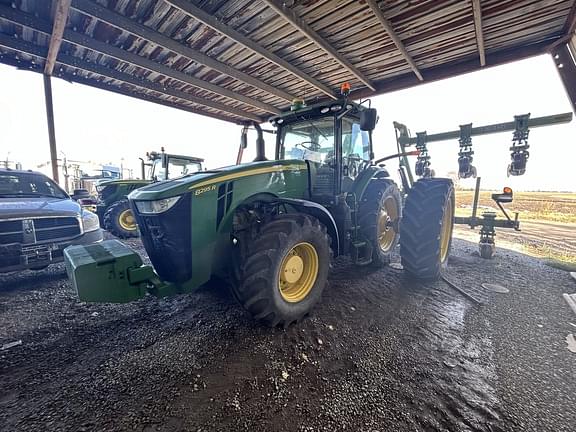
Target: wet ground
378,353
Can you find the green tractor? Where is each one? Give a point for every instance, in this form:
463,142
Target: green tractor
272,226
113,206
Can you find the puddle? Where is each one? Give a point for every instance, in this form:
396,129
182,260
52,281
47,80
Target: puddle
571,342
496,288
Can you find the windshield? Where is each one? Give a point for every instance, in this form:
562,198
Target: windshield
311,140
177,167
31,184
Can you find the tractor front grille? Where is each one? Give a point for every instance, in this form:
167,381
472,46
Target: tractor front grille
167,240
29,231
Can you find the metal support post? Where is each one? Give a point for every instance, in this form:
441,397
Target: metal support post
51,130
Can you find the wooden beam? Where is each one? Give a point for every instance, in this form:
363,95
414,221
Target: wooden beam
84,41
211,21
311,34
392,34
60,18
451,69
477,9
24,65
121,22
74,62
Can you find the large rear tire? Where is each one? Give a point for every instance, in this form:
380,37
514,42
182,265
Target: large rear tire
119,220
284,270
379,217
426,228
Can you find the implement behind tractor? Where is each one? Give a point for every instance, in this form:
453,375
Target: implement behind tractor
272,226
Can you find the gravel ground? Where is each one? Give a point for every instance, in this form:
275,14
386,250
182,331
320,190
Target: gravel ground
378,353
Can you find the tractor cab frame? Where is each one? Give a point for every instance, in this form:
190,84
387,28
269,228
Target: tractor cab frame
163,166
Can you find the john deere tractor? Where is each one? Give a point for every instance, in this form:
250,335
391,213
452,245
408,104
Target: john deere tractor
272,226
113,207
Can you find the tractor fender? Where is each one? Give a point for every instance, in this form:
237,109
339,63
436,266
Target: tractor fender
320,213
366,177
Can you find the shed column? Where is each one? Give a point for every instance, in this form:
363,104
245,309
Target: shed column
51,131
566,67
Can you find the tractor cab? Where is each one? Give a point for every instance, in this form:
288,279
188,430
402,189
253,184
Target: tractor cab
332,141
164,166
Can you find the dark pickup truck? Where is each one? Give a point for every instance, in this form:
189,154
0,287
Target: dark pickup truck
38,220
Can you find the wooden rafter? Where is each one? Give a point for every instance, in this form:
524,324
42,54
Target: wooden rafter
109,50
311,34
477,9
392,34
74,62
123,23
211,21
60,17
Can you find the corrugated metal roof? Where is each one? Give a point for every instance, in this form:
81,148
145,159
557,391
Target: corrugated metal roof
244,59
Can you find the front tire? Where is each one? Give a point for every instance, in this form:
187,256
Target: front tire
380,212
426,228
119,220
284,270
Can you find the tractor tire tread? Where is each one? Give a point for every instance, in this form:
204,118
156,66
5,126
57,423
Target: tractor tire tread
256,280
421,227
110,220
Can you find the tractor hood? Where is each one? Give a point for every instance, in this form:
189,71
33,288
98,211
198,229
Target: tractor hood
204,180
122,181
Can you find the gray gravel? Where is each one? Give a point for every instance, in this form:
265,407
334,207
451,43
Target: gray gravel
379,353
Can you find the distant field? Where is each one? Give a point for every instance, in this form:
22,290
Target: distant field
543,206
548,239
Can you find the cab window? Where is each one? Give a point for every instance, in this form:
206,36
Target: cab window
355,142
311,140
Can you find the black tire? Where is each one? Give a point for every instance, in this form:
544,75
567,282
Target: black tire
425,239
113,223
258,289
379,195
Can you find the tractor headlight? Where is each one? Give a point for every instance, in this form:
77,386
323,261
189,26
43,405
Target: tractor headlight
157,206
90,221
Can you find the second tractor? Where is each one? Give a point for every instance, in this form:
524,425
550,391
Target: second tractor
112,205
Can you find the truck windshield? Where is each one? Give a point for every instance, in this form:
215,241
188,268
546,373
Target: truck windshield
311,140
18,184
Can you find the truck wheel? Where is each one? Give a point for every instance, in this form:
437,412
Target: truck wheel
380,212
426,228
284,270
119,220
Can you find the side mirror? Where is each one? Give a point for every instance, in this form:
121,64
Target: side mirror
368,119
244,138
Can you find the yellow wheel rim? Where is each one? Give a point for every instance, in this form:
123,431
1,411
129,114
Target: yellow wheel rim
298,272
126,220
386,232
446,232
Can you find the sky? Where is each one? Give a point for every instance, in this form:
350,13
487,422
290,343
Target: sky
103,127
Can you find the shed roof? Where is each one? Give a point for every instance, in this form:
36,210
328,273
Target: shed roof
240,60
